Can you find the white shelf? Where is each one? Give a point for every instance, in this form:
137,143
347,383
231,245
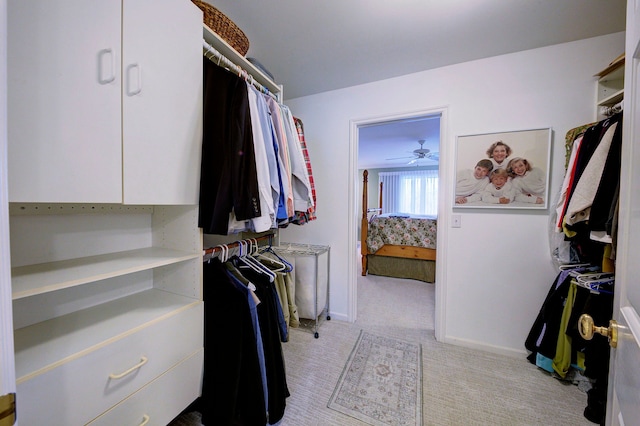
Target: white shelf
611,86
47,344
46,277
612,99
230,53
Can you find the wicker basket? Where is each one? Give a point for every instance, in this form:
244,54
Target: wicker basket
224,27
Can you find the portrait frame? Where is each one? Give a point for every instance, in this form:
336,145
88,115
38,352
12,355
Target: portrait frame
533,145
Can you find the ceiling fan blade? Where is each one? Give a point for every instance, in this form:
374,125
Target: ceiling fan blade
435,156
400,158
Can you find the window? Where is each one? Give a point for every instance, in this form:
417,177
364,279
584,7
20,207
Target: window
412,192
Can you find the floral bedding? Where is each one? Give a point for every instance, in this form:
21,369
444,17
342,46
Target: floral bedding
401,230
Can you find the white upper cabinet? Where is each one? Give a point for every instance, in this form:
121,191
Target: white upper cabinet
64,115
104,101
162,101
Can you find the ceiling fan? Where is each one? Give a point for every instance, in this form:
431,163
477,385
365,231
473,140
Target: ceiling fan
419,154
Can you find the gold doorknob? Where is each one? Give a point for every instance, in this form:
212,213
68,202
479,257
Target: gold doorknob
587,329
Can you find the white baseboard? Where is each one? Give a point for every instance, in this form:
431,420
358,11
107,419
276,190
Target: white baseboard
339,317
472,344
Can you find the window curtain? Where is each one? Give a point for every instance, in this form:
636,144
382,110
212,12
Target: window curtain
410,192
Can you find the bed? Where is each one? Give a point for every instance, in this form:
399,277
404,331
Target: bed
396,245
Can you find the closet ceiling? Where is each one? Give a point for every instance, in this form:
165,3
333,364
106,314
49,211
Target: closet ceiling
316,46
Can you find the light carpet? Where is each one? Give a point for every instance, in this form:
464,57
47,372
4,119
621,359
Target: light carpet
381,383
460,386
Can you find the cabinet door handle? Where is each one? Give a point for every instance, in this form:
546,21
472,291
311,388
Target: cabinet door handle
111,67
138,89
145,420
143,361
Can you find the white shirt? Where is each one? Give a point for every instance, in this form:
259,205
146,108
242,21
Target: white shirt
530,186
467,185
492,195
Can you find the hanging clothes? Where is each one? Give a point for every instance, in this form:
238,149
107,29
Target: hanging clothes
587,203
244,380
283,152
260,111
304,217
587,219
593,179
606,197
596,351
567,182
266,219
228,179
269,323
543,336
301,187
554,341
232,389
254,173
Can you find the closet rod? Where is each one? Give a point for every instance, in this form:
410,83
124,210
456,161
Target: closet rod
225,62
212,251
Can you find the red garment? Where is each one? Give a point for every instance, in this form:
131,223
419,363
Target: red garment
571,172
311,212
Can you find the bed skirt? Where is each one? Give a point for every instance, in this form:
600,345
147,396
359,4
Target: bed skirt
416,269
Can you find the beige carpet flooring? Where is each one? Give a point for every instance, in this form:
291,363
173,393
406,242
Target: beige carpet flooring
460,386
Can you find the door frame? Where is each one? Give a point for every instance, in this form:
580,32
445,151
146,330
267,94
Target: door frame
7,364
444,193
623,374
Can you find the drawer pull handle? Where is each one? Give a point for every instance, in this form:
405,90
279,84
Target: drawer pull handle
145,420
143,361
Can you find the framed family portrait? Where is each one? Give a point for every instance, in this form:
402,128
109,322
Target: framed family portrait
507,170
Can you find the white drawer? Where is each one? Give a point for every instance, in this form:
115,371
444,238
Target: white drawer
161,400
77,391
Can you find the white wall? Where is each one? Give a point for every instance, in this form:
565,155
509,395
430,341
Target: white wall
497,269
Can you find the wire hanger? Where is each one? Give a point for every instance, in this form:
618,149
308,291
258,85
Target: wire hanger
288,265
250,262
231,66
271,263
568,266
596,282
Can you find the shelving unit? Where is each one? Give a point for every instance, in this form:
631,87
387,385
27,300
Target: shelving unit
48,344
45,277
610,86
105,249
99,291
106,253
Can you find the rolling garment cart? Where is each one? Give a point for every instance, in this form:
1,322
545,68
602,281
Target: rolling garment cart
311,275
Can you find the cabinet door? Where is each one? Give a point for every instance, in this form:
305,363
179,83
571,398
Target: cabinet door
162,101
64,125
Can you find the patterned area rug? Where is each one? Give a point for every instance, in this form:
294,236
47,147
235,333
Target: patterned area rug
381,384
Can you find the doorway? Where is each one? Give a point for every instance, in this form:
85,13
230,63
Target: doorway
399,142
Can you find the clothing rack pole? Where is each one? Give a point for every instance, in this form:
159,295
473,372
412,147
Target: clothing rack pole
212,251
224,61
